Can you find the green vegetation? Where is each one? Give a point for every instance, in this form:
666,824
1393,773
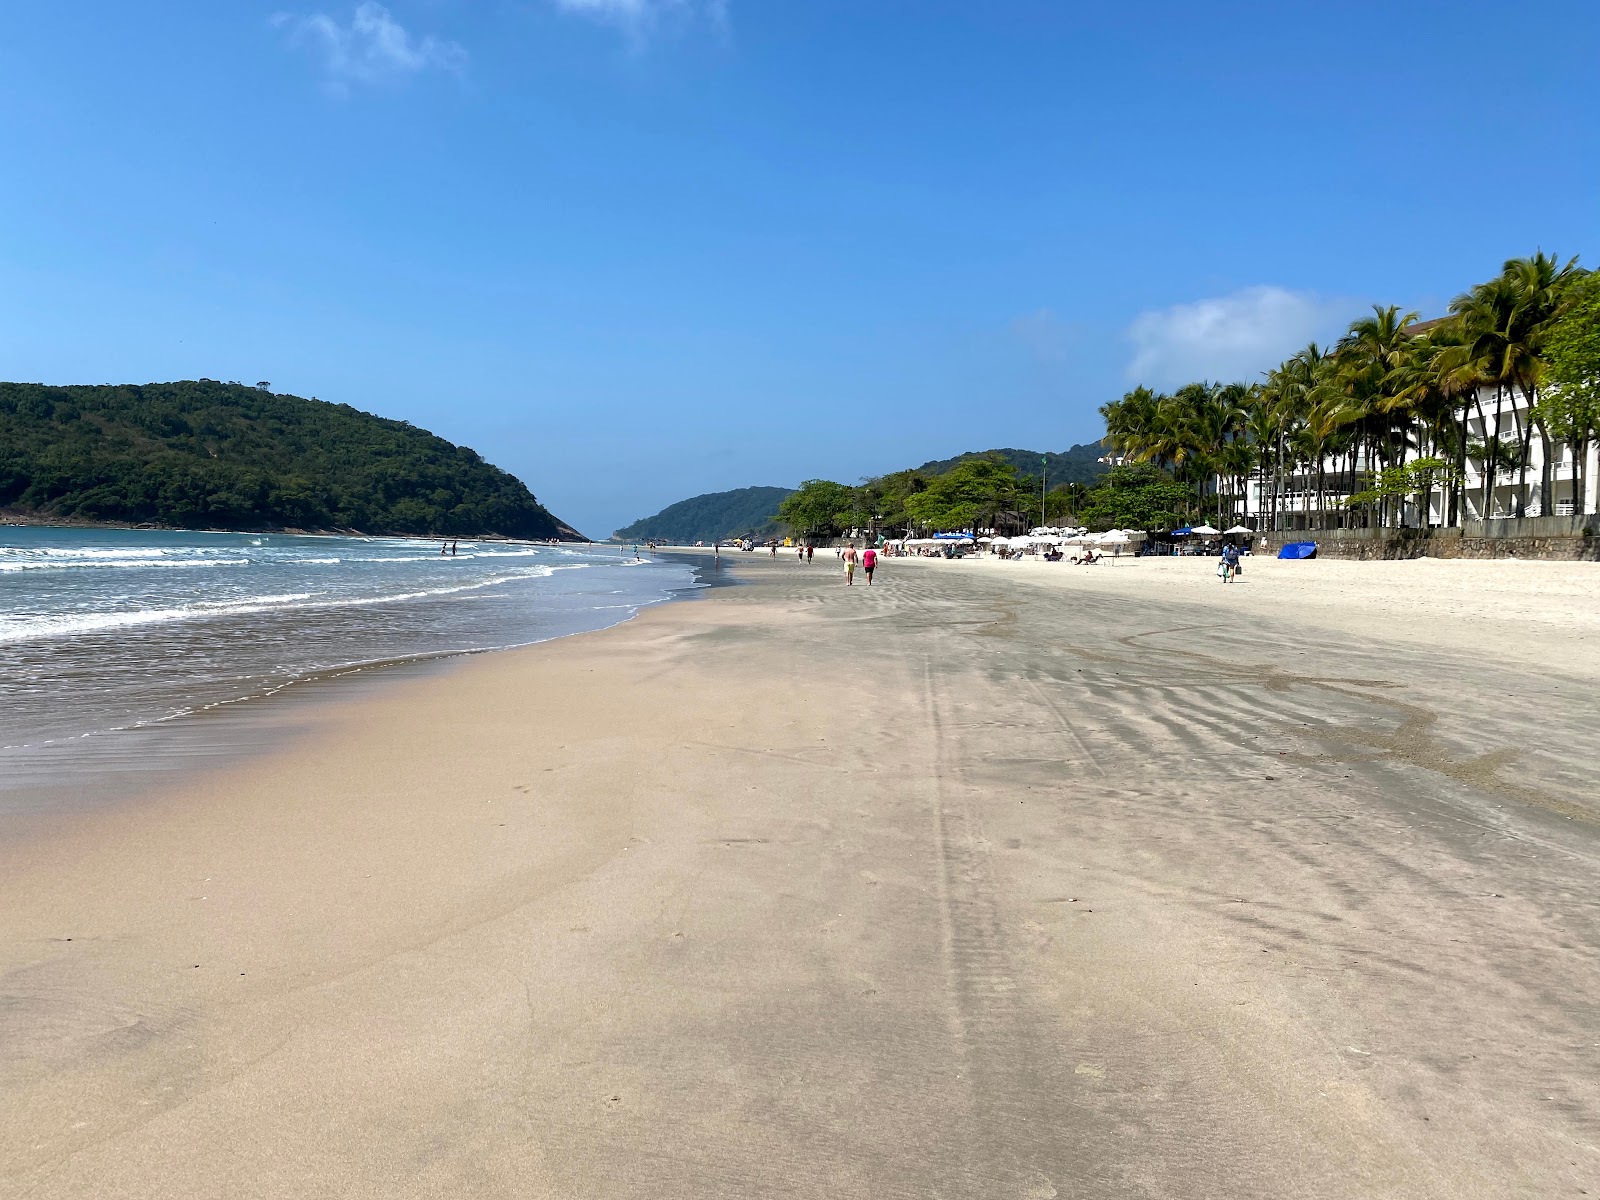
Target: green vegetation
985,491
1135,496
975,487
823,508
1570,407
222,456
819,507
715,516
1080,464
1391,386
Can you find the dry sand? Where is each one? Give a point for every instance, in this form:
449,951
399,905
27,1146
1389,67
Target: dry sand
982,883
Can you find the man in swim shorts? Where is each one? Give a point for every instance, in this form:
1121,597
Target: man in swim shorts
850,559
869,563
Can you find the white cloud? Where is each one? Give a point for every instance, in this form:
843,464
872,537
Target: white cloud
372,48
638,17
1230,337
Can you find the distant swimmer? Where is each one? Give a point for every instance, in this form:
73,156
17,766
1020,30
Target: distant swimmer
453,546
869,563
850,559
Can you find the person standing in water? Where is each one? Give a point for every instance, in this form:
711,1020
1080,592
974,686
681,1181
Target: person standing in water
850,559
869,563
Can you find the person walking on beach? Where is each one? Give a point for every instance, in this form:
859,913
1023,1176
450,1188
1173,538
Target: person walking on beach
850,559
869,563
1230,562
810,550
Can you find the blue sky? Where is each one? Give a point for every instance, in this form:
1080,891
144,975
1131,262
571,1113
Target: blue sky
633,250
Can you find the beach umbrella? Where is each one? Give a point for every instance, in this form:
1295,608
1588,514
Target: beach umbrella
1239,529
1205,530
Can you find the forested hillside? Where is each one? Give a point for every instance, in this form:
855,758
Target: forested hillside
754,510
1081,464
715,516
223,456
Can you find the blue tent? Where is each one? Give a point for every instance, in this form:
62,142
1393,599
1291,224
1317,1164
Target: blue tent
1298,550
1181,532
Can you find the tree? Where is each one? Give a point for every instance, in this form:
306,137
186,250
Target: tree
1504,322
211,455
1136,496
1570,405
818,507
979,487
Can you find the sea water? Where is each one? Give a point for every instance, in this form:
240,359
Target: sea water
107,631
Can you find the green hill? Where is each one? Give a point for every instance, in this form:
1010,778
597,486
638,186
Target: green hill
722,515
715,516
1081,464
221,456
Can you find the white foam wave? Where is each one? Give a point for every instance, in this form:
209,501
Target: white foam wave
31,628
83,564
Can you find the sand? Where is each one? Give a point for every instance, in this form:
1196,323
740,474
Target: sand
984,882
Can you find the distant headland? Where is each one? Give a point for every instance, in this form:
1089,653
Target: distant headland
199,454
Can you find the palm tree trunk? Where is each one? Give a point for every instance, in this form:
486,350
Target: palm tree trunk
1580,477
1457,500
1491,464
1524,445
1322,494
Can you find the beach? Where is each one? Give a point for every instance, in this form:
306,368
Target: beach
990,880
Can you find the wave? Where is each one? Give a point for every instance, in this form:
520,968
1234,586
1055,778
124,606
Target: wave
81,564
34,628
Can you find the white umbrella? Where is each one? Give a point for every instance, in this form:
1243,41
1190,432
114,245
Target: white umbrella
1239,529
1205,531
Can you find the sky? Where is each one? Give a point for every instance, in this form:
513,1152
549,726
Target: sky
636,250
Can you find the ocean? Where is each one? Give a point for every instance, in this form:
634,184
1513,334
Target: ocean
108,636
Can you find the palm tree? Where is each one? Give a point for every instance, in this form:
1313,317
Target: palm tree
1290,393
1369,355
1542,287
1491,353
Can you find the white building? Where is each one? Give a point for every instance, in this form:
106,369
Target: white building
1505,410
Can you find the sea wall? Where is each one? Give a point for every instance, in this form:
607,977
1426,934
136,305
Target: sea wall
1564,538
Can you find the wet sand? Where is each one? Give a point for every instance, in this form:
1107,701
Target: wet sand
974,884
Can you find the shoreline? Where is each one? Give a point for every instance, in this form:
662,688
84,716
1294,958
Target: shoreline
958,885
174,749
